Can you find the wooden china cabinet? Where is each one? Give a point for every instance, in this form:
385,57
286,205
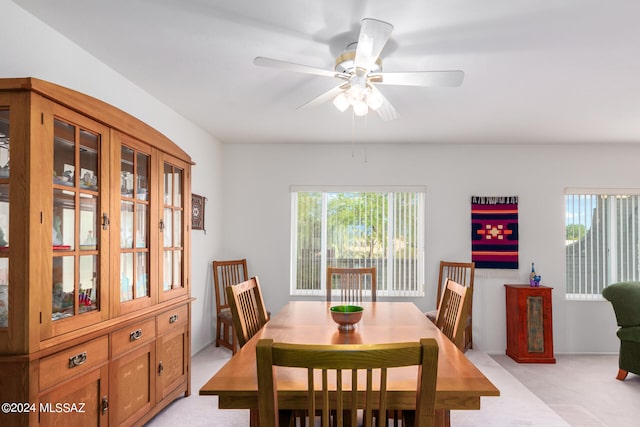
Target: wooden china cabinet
95,301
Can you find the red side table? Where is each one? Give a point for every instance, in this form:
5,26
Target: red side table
529,324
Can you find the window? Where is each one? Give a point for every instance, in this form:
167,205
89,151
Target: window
337,228
602,240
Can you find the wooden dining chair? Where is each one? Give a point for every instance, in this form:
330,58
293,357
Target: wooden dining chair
453,312
225,274
462,273
247,309
337,396
352,283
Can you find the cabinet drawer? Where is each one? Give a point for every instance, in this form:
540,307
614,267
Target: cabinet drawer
132,336
172,319
73,361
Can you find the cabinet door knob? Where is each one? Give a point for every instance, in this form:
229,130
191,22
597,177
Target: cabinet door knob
160,368
77,360
105,221
173,318
105,404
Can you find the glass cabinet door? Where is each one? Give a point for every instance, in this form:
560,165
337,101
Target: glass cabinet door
4,217
76,220
172,228
134,224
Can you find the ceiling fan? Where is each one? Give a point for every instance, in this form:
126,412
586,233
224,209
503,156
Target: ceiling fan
360,71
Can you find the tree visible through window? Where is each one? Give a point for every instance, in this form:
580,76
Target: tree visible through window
358,229
602,242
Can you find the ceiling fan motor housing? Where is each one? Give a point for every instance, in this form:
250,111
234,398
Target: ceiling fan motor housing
345,63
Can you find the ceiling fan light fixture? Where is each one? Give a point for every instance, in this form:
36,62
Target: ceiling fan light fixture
374,100
360,108
355,93
341,102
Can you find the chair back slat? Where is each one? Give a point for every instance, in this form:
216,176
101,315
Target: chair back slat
352,283
247,309
339,394
460,272
225,274
453,312
464,274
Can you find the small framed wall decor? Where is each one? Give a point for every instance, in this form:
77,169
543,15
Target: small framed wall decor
197,212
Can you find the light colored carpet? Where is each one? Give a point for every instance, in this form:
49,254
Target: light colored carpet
582,389
516,406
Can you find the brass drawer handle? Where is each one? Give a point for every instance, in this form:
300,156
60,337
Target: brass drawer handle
77,360
173,318
135,335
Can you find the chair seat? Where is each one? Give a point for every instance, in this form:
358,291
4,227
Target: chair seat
225,315
431,315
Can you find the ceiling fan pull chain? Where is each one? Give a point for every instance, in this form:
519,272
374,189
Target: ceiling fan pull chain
353,134
366,141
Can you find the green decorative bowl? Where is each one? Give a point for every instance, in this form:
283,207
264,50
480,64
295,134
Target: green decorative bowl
346,316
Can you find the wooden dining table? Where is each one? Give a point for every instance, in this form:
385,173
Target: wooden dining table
459,385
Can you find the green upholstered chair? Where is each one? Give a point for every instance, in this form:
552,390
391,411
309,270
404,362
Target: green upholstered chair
625,298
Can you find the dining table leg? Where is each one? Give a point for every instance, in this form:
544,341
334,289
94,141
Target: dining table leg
443,418
254,420
286,417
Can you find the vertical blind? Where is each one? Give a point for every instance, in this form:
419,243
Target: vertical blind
358,229
602,238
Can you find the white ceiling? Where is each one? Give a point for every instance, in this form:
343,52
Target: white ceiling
535,71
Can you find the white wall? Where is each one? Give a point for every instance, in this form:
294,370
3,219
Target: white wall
30,48
257,215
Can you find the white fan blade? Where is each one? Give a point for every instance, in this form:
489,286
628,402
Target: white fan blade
374,34
420,78
386,110
326,96
291,66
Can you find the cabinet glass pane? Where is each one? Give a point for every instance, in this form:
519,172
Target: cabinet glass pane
168,228
134,228
64,218
4,218
89,149
63,288
177,188
142,275
126,225
126,276
177,228
167,269
88,221
4,143
76,220
126,172
177,268
64,153
142,226
168,184
142,180
4,292
173,222
88,290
